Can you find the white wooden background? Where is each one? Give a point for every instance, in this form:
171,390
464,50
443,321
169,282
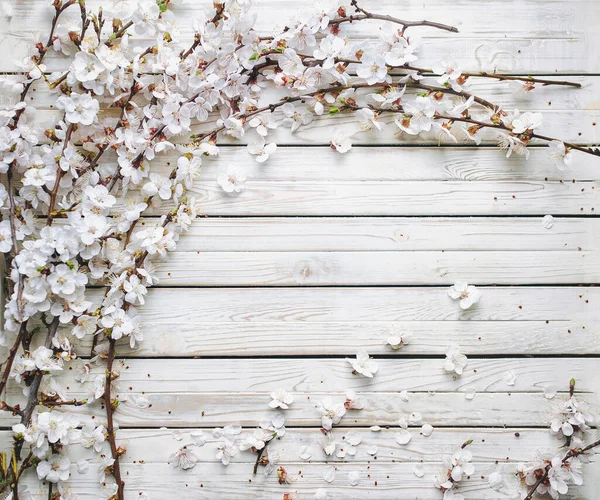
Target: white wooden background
325,254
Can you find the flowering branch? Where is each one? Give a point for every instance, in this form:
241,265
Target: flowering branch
570,454
217,81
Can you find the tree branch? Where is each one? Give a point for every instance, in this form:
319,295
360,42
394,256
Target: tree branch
405,24
11,356
110,428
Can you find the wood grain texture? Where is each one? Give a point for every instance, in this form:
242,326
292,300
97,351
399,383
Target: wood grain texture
323,321
153,446
398,198
236,482
157,376
389,233
209,409
379,268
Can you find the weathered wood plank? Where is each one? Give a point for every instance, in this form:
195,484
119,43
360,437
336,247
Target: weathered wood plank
378,268
389,233
335,375
195,338
377,482
397,198
322,321
153,446
195,409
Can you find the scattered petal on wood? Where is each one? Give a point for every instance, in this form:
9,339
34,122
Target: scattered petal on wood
354,478
329,474
548,221
510,378
403,436
427,430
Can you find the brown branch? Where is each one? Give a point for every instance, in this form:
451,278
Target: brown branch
532,135
115,36
447,90
483,74
499,126
405,24
15,121
11,214
33,399
59,174
110,428
15,410
259,457
72,402
496,76
197,42
11,356
13,233
39,59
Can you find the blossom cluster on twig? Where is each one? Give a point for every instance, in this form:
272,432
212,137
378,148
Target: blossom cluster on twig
75,193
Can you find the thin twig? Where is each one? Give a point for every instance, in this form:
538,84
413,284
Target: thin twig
259,457
496,76
11,356
59,174
405,24
483,74
110,428
33,399
72,402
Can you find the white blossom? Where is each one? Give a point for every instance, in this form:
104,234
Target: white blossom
262,151
55,469
399,339
184,458
93,437
79,108
455,361
281,399
295,117
560,153
372,68
226,451
341,141
232,180
332,413
467,294
526,121
363,364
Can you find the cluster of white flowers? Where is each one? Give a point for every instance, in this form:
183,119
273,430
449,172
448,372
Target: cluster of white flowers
556,471
74,192
572,419
553,473
455,469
